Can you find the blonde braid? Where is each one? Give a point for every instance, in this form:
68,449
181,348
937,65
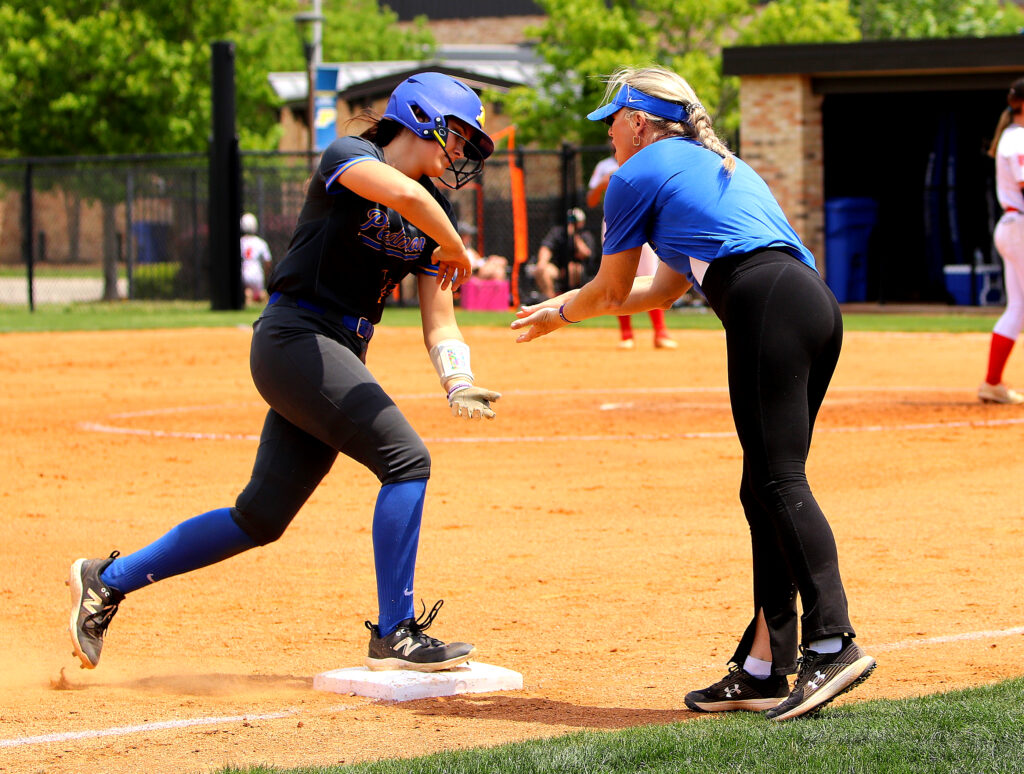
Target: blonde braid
706,136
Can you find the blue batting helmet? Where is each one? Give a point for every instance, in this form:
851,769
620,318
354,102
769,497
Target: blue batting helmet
423,104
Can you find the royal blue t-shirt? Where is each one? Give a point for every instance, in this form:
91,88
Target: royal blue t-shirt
675,195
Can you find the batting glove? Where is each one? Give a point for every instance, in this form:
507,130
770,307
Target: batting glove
470,402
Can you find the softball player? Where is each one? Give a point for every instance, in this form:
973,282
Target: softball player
1008,151
353,243
255,258
715,224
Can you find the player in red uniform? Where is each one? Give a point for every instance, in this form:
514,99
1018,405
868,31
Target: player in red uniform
1008,151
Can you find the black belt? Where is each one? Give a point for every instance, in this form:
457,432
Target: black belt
360,326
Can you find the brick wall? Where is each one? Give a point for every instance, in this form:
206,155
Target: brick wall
489,30
781,139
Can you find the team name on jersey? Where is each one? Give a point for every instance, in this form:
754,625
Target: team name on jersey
374,232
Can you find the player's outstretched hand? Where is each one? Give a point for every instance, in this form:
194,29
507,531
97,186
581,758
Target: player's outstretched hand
472,402
541,321
453,267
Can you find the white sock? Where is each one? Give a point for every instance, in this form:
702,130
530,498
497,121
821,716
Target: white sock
827,645
757,668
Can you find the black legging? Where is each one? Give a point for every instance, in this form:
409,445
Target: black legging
323,401
783,331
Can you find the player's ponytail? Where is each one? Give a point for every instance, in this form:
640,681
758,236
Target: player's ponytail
705,135
1014,105
380,130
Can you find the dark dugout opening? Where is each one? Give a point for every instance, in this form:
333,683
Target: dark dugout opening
922,156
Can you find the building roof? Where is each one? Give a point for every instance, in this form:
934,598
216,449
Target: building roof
931,63
493,66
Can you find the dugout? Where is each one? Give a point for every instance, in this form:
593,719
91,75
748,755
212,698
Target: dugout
901,124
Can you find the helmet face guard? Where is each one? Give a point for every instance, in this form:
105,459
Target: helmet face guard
425,102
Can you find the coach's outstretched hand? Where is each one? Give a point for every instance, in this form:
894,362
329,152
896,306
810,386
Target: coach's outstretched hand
538,320
471,402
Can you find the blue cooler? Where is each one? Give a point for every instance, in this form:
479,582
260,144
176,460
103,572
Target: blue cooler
988,284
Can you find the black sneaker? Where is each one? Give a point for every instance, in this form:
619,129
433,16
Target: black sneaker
823,676
407,647
739,690
93,605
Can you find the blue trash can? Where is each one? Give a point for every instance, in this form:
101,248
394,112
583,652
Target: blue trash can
152,241
849,222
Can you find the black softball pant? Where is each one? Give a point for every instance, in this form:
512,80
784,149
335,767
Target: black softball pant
784,332
323,400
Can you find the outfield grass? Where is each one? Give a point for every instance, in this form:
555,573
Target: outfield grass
976,730
122,315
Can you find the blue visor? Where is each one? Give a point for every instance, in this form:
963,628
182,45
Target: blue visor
628,97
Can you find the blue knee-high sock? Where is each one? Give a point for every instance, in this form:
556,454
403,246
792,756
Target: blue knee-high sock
396,536
202,540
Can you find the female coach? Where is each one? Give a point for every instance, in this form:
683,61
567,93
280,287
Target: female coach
353,243
715,224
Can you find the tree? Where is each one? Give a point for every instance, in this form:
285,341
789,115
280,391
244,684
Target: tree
893,19
583,40
97,77
802,21
580,41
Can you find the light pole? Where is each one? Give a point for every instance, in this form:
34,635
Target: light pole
308,24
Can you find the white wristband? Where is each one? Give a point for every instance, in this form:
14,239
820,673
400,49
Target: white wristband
451,358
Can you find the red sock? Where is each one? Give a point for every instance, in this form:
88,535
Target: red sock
625,327
998,354
658,321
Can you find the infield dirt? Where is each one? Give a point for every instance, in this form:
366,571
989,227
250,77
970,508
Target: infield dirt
590,538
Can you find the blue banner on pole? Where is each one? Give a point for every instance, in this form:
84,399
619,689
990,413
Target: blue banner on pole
325,106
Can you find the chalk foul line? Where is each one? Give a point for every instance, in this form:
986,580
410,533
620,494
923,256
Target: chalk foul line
162,725
99,427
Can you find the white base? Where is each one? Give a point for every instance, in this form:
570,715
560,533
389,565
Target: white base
406,685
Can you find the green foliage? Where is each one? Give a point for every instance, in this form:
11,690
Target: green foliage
113,76
802,21
130,315
583,41
96,83
362,31
157,281
894,19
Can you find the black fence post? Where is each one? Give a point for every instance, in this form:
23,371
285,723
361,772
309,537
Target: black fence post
568,197
130,238
225,186
27,230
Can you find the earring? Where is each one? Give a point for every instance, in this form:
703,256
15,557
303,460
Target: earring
636,140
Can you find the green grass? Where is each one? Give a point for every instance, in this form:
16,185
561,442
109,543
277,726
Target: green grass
120,315
126,315
976,730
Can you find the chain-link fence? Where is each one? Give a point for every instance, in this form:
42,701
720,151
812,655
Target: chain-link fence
136,227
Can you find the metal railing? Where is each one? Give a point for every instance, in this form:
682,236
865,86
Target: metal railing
79,229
